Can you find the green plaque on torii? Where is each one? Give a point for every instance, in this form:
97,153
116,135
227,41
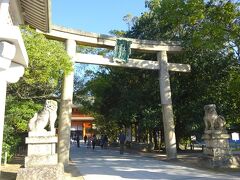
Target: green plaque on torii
122,51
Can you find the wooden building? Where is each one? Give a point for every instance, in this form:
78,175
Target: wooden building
81,124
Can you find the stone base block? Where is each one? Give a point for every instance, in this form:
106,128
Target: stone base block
216,162
215,152
41,140
33,160
42,145
215,136
55,172
42,133
41,149
217,143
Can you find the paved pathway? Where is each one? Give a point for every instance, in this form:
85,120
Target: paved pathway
108,164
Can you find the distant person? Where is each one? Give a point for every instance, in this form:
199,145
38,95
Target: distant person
122,139
102,141
88,142
72,140
105,141
94,140
78,141
85,139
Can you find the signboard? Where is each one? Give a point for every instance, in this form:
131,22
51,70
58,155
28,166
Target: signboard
235,136
193,138
122,51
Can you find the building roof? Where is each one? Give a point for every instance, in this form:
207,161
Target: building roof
37,13
78,116
82,118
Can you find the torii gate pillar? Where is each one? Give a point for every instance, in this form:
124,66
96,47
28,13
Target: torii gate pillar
64,126
167,111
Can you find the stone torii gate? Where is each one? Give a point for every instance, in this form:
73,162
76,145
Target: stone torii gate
73,37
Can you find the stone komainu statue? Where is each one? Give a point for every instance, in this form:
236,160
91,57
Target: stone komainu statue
212,120
47,116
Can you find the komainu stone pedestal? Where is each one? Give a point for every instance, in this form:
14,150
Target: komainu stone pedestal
41,150
217,151
41,162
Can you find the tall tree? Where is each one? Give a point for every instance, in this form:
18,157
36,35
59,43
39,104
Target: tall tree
48,61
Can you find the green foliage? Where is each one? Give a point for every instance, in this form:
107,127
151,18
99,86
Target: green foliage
117,33
130,20
18,113
84,72
48,61
11,142
211,25
120,100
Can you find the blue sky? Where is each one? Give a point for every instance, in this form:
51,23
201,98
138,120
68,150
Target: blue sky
99,16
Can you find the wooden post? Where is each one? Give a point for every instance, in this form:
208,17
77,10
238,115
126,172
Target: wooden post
5,158
3,90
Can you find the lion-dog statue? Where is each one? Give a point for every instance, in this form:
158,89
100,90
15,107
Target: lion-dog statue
47,116
212,120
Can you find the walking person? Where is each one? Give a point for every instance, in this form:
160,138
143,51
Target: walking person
102,141
105,141
88,142
85,139
94,140
122,139
78,141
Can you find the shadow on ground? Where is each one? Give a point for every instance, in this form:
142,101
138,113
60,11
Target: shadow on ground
72,172
9,171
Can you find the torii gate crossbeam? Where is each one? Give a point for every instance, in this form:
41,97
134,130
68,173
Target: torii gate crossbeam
132,63
74,37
